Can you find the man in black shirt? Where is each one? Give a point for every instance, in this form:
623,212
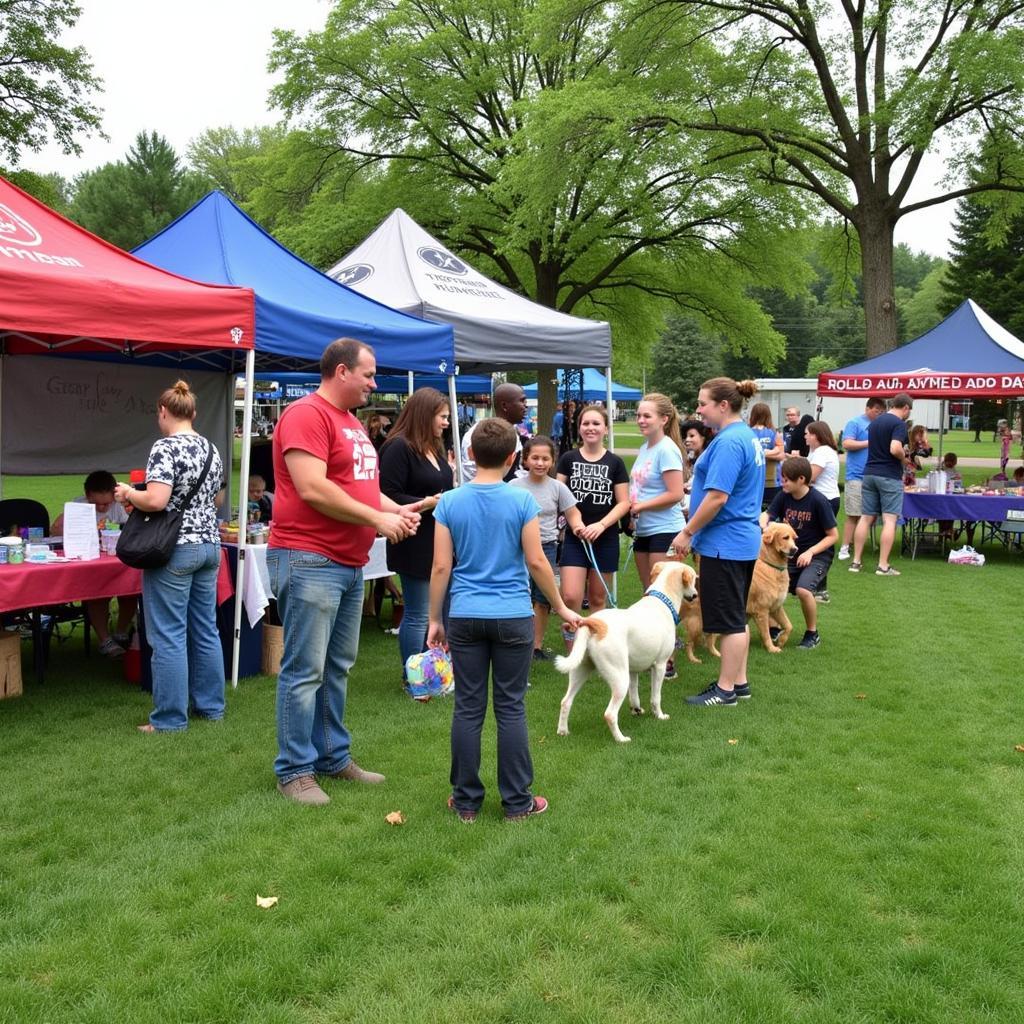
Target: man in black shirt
883,482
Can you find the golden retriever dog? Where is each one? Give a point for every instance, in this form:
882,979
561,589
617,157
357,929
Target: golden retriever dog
770,585
619,643
693,624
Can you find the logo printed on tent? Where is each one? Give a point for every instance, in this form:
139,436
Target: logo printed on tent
440,259
236,334
354,274
16,229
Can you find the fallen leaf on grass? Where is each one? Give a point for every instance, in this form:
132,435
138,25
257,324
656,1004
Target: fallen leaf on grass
862,696
265,902
732,743
395,818
1019,748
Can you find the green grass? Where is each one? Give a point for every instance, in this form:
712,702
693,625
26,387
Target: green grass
856,855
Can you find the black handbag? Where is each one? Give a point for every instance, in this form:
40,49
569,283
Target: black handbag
148,539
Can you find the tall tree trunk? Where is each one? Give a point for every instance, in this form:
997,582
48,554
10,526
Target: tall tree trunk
875,231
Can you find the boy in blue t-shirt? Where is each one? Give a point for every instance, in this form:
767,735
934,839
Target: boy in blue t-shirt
490,532
810,514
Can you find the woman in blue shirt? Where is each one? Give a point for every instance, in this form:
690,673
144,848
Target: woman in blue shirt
728,482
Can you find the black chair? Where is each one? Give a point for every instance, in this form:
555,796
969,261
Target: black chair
18,513
22,512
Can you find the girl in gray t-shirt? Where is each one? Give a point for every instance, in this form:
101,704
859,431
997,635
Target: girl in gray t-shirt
554,499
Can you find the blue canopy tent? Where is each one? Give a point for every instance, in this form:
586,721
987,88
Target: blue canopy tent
387,384
298,312
595,388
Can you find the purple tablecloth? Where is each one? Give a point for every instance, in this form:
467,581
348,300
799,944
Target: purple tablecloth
969,507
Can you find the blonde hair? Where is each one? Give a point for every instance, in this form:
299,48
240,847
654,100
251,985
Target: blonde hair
179,401
663,407
725,389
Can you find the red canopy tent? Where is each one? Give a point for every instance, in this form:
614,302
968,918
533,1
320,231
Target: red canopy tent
65,291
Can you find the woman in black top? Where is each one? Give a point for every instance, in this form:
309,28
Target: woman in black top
413,467
599,481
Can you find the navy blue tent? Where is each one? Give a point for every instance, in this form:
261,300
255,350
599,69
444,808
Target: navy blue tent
595,388
968,355
298,309
294,385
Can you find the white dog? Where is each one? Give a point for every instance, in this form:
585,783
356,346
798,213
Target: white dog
622,642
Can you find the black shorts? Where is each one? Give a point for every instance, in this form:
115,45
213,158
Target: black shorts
810,577
724,586
655,543
606,551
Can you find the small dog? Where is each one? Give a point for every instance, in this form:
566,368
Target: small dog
622,642
770,585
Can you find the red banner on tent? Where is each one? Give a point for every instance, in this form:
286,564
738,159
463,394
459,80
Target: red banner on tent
921,384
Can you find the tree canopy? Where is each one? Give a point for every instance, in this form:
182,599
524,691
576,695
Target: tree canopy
544,141
843,101
45,88
128,201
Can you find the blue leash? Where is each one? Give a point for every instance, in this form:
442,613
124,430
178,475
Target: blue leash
589,548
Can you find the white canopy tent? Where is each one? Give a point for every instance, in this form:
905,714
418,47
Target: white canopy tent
402,266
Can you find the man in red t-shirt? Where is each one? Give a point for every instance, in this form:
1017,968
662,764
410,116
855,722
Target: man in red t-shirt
327,510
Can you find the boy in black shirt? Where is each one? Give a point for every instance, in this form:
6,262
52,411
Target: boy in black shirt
810,514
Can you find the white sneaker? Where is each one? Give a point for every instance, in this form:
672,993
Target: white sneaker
844,553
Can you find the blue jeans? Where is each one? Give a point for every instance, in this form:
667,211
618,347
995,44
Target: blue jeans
180,599
502,648
321,607
412,630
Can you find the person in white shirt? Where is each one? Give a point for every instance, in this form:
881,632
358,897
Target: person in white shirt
824,459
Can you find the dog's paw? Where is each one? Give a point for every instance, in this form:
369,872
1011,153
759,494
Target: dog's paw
774,650
623,739
638,711
693,659
661,716
563,731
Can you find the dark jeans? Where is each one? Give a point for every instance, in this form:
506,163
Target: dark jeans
505,648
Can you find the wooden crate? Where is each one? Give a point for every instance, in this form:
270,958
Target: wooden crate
10,664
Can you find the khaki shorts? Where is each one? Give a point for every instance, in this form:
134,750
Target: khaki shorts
852,498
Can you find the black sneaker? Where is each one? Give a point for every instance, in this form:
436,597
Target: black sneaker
670,669
742,691
713,697
822,597
539,655
774,632
811,639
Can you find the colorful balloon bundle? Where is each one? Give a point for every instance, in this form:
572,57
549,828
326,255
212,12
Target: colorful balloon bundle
429,674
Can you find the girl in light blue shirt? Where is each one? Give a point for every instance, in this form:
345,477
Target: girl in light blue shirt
656,483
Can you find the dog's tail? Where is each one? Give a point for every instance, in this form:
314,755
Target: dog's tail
579,649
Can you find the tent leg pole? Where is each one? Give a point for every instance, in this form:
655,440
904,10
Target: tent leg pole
453,419
608,406
942,427
3,359
412,385
243,512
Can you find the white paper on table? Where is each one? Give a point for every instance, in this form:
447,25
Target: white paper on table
81,538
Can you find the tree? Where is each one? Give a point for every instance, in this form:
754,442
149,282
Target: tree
51,189
682,359
128,201
986,269
921,312
844,101
821,364
44,87
534,137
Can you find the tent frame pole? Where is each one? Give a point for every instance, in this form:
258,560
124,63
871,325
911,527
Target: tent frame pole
453,419
412,383
243,512
3,360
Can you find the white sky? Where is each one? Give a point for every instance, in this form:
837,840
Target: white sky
179,67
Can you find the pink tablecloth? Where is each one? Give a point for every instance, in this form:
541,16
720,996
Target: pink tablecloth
34,586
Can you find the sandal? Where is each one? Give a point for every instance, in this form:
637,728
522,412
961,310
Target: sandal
539,806
466,816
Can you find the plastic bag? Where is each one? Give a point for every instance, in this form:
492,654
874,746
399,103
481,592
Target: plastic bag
966,556
429,674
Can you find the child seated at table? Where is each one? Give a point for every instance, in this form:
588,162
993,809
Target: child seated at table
261,501
1018,477
99,491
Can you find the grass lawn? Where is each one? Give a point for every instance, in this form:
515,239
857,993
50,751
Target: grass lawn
845,847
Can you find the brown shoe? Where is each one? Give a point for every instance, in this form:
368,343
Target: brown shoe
304,790
353,773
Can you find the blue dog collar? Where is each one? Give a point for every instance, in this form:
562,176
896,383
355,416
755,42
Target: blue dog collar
666,601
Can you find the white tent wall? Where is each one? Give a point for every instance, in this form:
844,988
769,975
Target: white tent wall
781,392
66,415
